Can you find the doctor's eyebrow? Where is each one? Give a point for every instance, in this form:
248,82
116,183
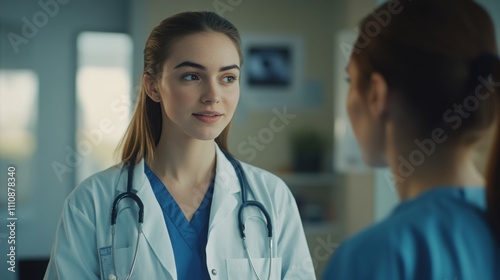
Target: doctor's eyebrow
225,68
201,67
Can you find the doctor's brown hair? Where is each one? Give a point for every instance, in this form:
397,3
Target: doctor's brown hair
434,54
144,131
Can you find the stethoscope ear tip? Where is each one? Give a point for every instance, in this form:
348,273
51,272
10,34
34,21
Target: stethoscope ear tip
112,277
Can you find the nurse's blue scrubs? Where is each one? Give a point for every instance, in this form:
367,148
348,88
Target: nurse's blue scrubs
442,234
188,239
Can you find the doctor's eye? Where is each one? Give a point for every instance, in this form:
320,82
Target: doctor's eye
190,77
229,79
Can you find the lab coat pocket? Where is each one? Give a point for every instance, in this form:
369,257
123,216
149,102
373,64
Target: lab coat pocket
242,269
123,260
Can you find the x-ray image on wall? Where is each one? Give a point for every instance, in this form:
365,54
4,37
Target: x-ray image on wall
269,66
272,71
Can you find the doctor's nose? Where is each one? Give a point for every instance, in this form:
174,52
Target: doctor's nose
210,100
211,94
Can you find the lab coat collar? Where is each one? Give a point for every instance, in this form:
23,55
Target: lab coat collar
225,174
154,227
139,179
226,191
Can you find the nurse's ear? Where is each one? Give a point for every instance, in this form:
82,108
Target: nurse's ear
151,86
378,96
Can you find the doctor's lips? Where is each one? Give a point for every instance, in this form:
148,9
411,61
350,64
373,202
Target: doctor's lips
208,116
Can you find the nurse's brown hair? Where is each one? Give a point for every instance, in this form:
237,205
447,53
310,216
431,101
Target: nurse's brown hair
144,131
435,54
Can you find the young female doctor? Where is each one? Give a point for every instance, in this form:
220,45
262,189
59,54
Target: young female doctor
180,206
422,93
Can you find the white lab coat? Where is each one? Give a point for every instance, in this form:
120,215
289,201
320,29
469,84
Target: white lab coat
84,228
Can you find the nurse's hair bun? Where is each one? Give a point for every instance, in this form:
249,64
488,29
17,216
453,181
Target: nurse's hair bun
486,66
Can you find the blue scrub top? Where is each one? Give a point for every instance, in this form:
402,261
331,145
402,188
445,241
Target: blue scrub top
442,234
189,239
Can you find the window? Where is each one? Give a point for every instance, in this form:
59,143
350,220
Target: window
18,115
103,99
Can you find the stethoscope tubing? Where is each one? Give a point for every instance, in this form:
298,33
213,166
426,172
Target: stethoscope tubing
241,223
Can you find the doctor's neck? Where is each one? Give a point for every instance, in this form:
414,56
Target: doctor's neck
186,161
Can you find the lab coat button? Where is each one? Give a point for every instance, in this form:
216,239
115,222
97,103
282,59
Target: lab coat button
214,272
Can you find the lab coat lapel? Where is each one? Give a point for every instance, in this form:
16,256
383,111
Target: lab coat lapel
226,191
154,227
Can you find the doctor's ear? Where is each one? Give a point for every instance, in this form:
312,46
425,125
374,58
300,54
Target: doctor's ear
151,86
378,96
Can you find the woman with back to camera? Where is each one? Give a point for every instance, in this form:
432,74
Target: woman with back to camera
179,205
423,92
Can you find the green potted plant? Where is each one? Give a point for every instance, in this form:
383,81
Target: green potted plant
307,150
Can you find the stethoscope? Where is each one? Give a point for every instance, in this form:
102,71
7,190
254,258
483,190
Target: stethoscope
241,223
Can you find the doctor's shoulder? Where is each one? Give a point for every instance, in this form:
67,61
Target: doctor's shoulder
92,192
267,182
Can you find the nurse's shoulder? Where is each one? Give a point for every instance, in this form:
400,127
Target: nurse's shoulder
374,253
415,241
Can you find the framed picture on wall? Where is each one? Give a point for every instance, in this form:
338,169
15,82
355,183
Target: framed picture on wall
269,66
272,69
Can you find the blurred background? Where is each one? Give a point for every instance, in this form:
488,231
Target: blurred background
70,70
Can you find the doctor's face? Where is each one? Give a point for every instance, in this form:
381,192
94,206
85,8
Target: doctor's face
199,86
